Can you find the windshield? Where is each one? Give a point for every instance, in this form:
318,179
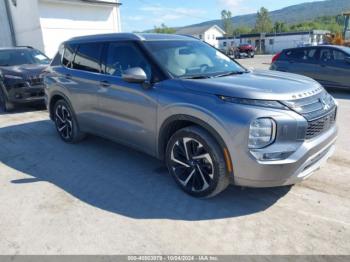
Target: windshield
346,49
191,59
22,56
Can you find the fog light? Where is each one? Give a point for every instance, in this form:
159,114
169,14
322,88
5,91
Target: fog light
262,132
272,156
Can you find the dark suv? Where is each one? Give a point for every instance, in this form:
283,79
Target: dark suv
21,76
329,65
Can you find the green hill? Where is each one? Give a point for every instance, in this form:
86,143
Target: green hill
291,14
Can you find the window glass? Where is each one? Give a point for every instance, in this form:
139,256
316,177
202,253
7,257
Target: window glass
297,54
187,59
122,56
87,57
68,55
338,56
326,54
332,55
13,57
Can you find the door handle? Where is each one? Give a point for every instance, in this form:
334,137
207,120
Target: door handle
68,76
323,65
105,83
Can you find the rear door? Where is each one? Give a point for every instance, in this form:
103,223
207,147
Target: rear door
85,74
128,111
301,61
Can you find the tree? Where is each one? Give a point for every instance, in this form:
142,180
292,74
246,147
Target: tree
242,30
263,21
163,29
226,17
280,27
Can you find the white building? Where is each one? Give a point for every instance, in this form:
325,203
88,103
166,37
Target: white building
275,42
44,24
209,34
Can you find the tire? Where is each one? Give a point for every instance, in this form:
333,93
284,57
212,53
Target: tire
251,54
5,105
66,123
196,162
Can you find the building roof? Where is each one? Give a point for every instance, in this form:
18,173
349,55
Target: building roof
109,2
130,36
315,32
197,30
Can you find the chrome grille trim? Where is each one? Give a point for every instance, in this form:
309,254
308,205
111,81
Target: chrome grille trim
312,107
321,125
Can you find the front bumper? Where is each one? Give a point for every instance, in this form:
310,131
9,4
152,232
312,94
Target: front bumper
309,157
26,94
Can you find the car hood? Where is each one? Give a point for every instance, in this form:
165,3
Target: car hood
257,84
24,71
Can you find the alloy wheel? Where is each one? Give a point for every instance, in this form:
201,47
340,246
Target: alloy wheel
63,120
192,164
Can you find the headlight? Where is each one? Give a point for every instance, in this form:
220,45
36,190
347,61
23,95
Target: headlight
262,132
254,102
13,77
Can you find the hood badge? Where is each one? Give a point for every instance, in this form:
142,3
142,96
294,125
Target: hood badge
324,103
306,94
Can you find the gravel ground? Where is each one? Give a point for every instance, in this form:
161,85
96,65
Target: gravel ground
98,197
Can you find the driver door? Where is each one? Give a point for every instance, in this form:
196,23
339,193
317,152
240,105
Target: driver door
127,111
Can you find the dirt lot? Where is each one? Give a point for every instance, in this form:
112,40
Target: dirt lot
101,198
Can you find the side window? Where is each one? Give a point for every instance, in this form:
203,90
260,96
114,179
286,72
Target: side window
68,55
311,55
339,56
297,54
122,56
326,55
88,57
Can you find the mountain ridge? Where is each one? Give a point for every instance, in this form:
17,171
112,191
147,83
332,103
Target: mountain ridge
289,15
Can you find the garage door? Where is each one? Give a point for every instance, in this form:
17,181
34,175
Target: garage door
61,21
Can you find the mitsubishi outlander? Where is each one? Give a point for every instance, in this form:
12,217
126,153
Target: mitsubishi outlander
211,120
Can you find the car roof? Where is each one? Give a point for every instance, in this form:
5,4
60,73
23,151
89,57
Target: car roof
343,48
130,36
15,48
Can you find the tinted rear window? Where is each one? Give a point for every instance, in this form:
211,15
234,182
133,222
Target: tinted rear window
87,57
302,54
68,55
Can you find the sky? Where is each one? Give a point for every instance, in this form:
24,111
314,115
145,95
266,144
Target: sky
140,15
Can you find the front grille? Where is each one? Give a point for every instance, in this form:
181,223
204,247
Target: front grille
312,107
319,110
321,125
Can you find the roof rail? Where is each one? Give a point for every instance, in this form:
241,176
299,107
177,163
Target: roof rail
27,46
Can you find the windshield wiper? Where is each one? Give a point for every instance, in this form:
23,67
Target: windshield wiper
231,73
196,77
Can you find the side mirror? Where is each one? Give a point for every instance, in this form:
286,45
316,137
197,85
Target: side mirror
134,75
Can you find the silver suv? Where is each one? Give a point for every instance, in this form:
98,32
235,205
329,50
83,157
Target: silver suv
176,98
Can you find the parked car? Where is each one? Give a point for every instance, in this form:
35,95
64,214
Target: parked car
180,100
329,65
245,50
21,78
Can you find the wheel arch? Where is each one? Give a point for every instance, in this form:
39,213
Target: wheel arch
53,100
177,122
